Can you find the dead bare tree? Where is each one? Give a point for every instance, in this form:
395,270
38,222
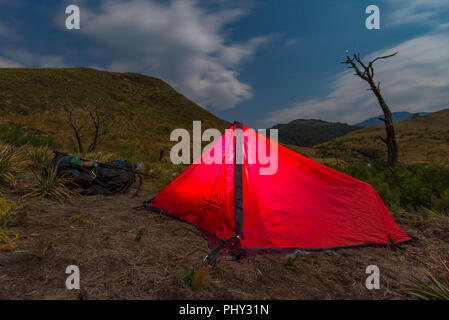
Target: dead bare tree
76,126
98,126
366,72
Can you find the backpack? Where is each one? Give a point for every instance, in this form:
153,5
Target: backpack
94,177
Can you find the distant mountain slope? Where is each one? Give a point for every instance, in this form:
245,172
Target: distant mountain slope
421,139
145,109
397,116
306,133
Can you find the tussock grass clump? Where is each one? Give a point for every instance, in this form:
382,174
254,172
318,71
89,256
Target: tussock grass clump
52,186
435,288
38,157
12,163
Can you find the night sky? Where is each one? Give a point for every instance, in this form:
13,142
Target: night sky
260,62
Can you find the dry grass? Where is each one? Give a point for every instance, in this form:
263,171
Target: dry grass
116,266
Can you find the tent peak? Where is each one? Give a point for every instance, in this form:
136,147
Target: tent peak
238,123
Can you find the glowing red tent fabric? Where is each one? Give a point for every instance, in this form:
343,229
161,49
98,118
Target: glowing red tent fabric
303,204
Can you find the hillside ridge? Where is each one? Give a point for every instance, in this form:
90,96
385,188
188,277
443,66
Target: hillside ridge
307,133
144,109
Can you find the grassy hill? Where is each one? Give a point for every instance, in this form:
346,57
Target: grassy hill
307,133
421,139
144,110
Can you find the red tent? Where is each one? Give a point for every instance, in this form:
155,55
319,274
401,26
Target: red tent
303,205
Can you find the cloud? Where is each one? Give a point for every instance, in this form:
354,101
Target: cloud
6,63
414,80
293,42
6,32
24,58
418,11
180,42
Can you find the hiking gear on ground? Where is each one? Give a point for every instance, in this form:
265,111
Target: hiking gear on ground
83,163
94,177
303,205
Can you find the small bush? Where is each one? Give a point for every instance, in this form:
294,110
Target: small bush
194,279
11,212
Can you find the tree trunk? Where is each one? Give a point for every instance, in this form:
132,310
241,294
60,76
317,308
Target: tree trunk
390,141
78,138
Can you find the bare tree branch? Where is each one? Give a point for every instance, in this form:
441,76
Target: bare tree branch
383,140
75,127
96,123
380,58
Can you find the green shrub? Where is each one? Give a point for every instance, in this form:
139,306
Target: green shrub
410,187
15,135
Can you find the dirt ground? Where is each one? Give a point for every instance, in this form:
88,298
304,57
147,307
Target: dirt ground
98,234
